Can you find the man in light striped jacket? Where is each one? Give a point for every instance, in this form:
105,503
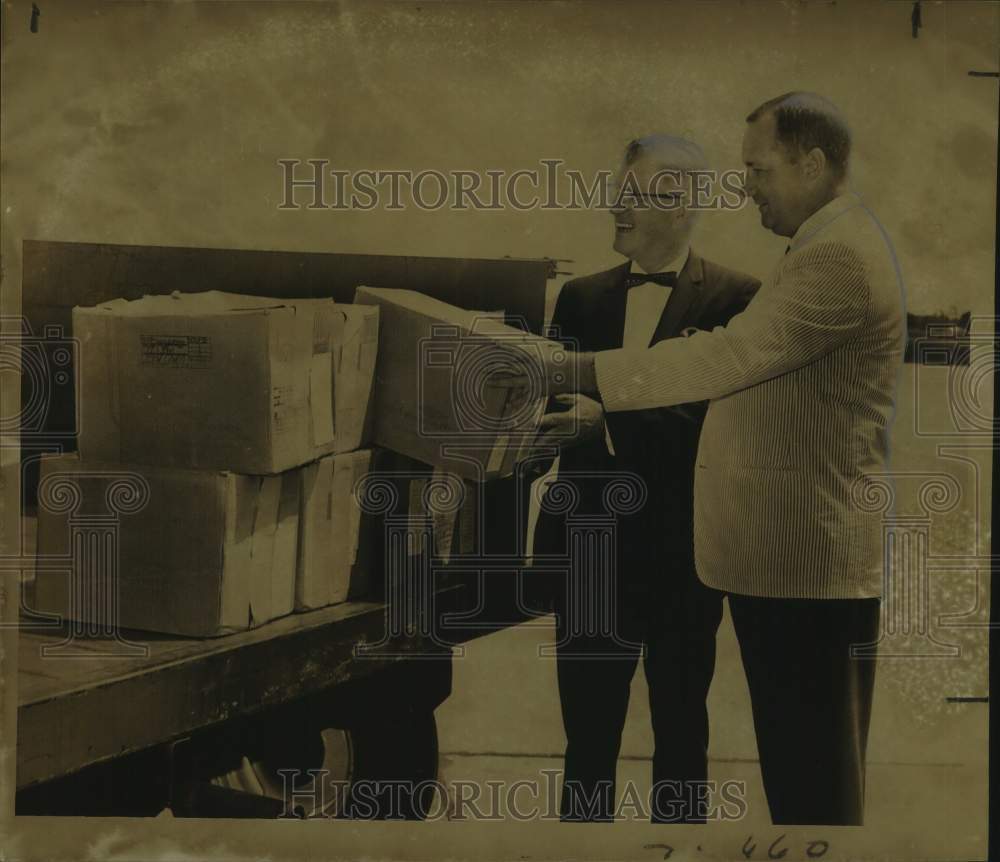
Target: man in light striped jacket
802,389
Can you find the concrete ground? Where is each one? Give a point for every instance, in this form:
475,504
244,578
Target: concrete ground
502,724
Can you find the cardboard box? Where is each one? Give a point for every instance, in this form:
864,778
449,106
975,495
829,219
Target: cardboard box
207,553
355,350
333,530
223,381
434,400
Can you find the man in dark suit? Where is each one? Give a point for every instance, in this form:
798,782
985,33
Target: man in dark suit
663,291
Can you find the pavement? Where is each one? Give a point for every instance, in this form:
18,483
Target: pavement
926,767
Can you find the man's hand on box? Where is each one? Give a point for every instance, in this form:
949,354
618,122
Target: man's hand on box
581,420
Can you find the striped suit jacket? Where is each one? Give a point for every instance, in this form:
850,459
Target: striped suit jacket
802,388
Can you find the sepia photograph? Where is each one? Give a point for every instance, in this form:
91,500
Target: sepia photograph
497,429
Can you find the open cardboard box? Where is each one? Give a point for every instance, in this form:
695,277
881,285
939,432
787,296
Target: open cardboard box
223,381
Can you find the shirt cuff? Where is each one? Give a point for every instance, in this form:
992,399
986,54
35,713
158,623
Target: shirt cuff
607,441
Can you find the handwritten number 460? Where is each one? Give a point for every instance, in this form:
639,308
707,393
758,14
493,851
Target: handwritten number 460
814,849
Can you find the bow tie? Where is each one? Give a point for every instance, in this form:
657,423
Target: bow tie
667,279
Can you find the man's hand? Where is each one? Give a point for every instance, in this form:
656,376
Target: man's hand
582,420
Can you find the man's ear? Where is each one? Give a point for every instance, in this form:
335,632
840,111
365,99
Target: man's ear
814,164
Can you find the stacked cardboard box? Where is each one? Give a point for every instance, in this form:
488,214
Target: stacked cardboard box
242,417
245,419
437,396
331,534
223,381
208,552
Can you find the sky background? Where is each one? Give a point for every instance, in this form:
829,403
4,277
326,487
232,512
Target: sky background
162,123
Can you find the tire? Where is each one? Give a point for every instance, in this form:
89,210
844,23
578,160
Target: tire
395,769
384,769
320,765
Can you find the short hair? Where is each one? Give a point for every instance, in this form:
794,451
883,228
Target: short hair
807,120
668,152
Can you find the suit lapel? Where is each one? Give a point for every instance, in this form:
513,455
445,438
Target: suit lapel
687,287
609,315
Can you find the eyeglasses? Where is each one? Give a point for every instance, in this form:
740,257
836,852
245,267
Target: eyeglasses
628,196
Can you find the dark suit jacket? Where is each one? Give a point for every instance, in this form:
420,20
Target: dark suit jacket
658,445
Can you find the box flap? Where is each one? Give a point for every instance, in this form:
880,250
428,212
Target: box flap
360,463
265,523
343,537
182,304
355,375
285,547
314,569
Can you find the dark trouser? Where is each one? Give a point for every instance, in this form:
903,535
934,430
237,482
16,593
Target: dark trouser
678,624
811,702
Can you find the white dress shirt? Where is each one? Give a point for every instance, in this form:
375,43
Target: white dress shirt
646,302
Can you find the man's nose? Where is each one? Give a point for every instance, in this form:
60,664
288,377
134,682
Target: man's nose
619,199
620,203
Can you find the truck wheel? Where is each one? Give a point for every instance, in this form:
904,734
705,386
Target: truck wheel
307,771
383,769
395,768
